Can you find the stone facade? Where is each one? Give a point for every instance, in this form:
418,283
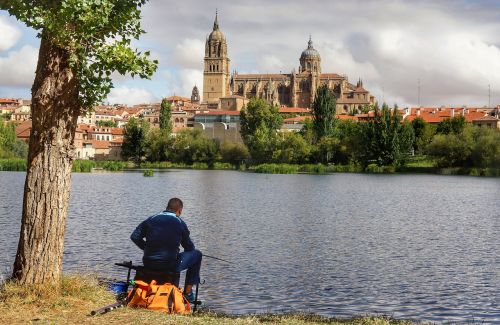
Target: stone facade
294,89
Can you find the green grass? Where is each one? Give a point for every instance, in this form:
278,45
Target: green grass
148,173
417,164
13,164
306,169
71,300
196,165
275,169
112,165
420,162
83,166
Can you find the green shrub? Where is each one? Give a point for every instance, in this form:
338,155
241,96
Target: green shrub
351,168
234,153
113,166
275,169
313,169
220,165
374,168
148,173
83,166
13,165
199,165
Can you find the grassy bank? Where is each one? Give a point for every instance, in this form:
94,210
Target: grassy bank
13,164
196,165
79,166
71,302
417,165
372,169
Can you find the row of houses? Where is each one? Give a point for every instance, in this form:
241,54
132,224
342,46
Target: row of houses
91,142
94,140
482,117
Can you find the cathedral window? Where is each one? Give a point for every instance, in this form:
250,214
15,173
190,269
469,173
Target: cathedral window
304,85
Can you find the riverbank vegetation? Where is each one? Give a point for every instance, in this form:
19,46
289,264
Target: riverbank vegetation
71,301
381,144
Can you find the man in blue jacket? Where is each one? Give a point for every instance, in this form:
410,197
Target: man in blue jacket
159,237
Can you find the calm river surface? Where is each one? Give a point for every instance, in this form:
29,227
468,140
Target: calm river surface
419,247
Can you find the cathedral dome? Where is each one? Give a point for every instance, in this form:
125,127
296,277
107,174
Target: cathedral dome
216,34
310,52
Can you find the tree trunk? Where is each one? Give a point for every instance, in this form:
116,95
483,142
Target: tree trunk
55,109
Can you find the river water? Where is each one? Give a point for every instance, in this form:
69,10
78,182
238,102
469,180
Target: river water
418,247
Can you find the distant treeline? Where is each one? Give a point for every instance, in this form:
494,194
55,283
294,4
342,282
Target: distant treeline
382,143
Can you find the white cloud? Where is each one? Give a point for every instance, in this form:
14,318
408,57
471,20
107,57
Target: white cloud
340,60
189,53
271,64
130,96
18,67
453,47
181,82
10,34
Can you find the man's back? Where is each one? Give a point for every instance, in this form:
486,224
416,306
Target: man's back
164,233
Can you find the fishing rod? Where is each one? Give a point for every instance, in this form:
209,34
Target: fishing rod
216,258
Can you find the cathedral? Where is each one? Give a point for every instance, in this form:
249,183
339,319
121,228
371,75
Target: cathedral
294,89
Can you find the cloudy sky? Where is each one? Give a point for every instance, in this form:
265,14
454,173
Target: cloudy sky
452,47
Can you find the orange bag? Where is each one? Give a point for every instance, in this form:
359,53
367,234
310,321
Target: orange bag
166,297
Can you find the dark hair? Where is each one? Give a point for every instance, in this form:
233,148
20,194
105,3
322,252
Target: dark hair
174,204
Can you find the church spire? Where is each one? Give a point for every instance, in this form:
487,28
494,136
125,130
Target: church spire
216,21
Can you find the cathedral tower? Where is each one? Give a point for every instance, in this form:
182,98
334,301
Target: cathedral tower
310,64
216,76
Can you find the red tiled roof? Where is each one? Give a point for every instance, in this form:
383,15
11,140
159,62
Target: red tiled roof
116,131
487,118
99,144
296,119
360,90
293,110
347,117
8,101
473,116
23,130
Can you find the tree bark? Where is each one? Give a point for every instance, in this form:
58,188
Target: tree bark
55,108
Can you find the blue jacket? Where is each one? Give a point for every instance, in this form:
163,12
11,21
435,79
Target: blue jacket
159,237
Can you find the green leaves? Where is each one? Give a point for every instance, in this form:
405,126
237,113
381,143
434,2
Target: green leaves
323,110
165,116
96,33
259,124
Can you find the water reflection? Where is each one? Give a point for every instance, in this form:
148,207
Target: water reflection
412,246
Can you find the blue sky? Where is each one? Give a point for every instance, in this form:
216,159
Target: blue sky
453,47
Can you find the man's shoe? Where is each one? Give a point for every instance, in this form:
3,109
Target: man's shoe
189,296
